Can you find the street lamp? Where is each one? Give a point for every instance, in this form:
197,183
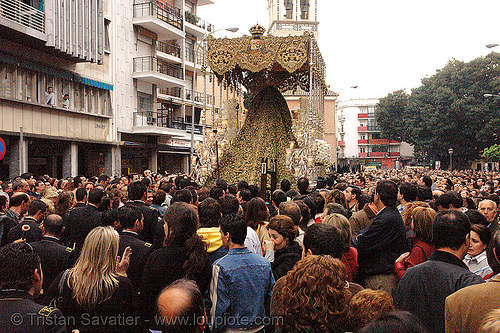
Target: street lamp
335,119
450,151
193,99
216,151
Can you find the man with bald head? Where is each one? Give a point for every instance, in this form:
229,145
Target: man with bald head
489,209
181,309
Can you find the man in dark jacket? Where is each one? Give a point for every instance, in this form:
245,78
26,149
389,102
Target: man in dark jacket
424,288
137,194
130,219
380,244
54,256
18,207
80,221
20,282
29,229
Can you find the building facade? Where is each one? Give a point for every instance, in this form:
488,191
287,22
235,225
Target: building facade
121,86
293,17
359,140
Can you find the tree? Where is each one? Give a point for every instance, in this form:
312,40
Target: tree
492,153
448,110
391,115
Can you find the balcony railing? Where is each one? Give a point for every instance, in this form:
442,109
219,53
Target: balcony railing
362,141
195,20
380,154
198,97
174,92
19,12
169,48
149,63
163,11
189,54
362,128
163,120
362,115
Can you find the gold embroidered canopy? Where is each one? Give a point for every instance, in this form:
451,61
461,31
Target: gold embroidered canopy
257,61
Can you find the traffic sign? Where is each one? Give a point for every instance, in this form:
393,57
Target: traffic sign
3,148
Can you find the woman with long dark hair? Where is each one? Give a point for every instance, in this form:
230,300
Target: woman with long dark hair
183,256
257,217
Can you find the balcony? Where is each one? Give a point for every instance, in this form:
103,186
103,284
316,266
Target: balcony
362,128
174,92
340,143
159,72
163,19
169,50
196,26
383,154
147,122
189,55
198,97
362,142
378,154
23,18
362,115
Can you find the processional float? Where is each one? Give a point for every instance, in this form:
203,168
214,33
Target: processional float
272,139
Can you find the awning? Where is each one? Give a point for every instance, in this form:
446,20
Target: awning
67,75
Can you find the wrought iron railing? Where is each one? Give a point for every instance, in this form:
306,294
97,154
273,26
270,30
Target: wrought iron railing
169,48
164,120
149,63
193,19
19,12
174,92
163,11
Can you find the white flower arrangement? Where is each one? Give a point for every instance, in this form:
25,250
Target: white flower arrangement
323,152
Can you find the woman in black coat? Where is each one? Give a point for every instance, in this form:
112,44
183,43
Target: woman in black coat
282,250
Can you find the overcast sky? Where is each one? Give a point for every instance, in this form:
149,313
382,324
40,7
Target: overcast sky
383,45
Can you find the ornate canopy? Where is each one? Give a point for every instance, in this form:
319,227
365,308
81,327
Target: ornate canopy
257,61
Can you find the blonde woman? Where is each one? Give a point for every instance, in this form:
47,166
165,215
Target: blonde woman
96,291
350,254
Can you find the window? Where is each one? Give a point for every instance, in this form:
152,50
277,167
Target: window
144,102
107,44
304,9
363,137
289,9
362,150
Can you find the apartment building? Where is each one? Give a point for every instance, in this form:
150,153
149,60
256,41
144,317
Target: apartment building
127,69
359,138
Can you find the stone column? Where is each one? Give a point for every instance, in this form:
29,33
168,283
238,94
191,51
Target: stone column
18,162
70,160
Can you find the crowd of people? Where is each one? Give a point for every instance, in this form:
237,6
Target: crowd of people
381,251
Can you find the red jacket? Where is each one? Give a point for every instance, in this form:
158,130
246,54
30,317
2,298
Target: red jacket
420,252
350,260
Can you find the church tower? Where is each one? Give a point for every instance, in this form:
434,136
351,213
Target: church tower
293,17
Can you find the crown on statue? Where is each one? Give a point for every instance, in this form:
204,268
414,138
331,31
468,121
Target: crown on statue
257,30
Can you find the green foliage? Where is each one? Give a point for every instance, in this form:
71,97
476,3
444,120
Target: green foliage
492,153
447,110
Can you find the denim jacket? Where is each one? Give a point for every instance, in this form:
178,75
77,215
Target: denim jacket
242,283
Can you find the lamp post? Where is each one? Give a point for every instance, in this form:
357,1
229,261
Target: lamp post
216,151
233,29
450,151
336,147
